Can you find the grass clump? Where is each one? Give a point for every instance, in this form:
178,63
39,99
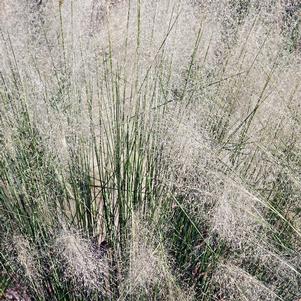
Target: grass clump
150,150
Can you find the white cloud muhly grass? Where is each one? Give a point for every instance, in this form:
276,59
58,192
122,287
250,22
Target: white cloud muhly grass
231,124
81,263
237,284
149,266
27,257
